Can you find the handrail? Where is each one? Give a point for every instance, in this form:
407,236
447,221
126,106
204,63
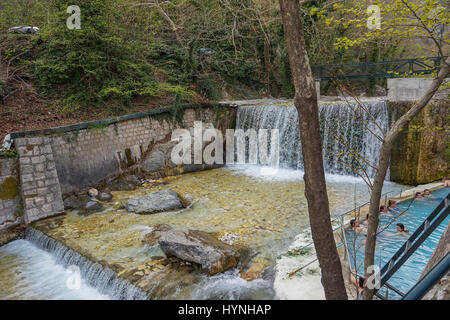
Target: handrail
111,121
424,285
336,229
394,289
410,250
425,227
380,69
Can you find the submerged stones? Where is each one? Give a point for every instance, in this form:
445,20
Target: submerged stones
155,202
93,193
87,202
125,183
105,196
93,206
201,248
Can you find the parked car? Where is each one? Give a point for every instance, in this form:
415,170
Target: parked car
206,51
24,29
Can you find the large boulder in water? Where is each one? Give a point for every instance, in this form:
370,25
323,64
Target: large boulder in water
200,247
93,206
155,202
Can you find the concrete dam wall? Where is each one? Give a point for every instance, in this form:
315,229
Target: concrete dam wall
56,161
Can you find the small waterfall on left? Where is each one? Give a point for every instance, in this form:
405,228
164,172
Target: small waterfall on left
101,278
38,267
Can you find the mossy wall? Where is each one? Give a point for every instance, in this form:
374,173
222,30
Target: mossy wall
10,204
9,188
421,154
88,153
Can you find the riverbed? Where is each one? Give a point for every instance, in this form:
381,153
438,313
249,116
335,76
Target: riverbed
249,206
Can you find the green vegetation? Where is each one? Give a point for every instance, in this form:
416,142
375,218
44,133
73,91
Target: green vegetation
129,51
8,154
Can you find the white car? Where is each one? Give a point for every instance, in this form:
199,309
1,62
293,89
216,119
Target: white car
24,29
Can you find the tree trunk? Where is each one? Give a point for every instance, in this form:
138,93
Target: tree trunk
268,64
383,165
315,186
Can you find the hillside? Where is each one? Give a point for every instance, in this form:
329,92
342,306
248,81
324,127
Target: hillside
130,56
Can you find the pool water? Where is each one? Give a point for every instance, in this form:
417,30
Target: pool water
416,211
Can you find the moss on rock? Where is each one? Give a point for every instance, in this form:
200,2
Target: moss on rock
419,155
9,189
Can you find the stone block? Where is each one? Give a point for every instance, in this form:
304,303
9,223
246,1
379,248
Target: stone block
38,159
27,178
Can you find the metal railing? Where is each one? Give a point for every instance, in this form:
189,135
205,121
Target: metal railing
382,69
424,285
341,227
435,218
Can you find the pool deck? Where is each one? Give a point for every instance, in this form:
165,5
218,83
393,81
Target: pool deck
420,188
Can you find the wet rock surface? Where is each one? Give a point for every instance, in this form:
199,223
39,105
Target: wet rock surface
125,183
155,202
153,237
200,247
159,158
75,201
254,269
105,196
115,237
10,234
93,206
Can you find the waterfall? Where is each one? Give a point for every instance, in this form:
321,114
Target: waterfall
346,130
103,279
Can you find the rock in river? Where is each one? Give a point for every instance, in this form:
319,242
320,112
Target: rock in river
105,196
93,206
155,202
200,247
93,193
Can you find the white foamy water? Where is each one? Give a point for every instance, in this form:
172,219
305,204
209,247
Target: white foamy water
357,190
305,284
285,174
29,273
230,286
340,121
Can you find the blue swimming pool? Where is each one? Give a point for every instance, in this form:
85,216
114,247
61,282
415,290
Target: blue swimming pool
416,212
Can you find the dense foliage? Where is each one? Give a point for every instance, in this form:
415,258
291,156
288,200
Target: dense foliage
128,50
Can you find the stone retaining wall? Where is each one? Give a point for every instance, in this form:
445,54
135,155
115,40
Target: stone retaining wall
86,157
412,89
39,181
61,160
421,153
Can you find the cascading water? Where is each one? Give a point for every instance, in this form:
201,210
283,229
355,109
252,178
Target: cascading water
30,273
348,133
104,280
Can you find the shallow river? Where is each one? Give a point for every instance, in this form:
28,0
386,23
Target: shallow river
257,208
